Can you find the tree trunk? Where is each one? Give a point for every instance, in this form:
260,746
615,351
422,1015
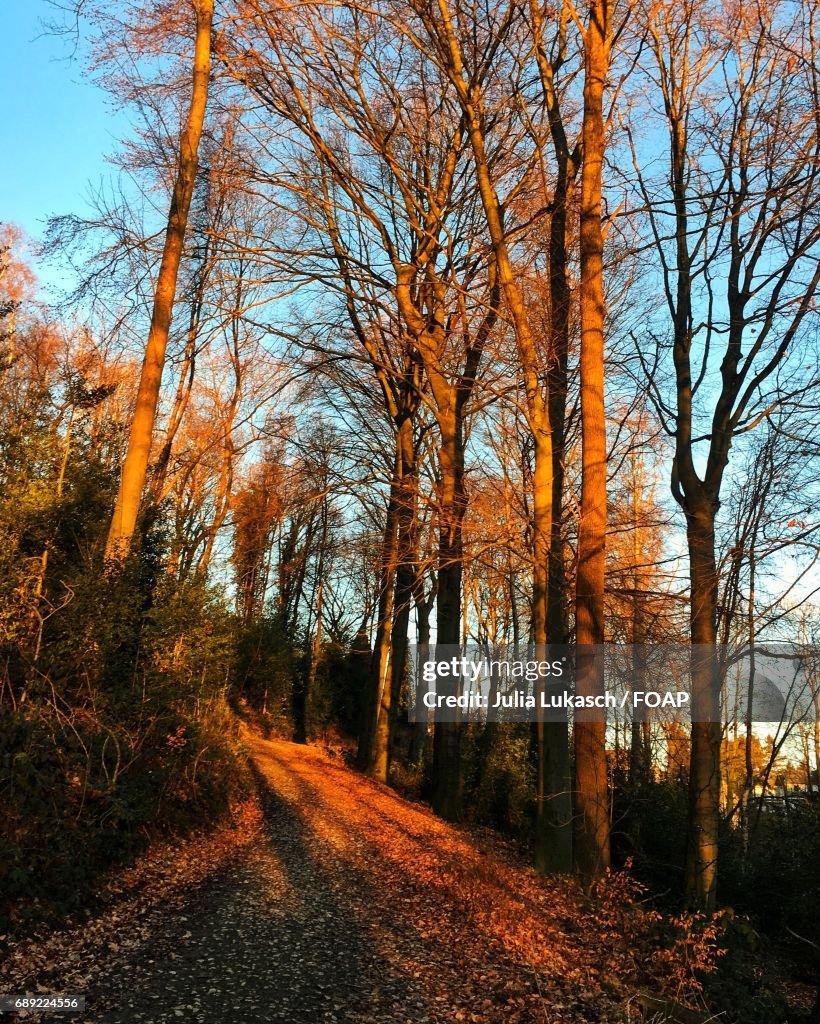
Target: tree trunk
640,755
748,763
400,602
704,770
639,749
591,791
552,838
553,824
132,482
303,694
815,696
447,776
406,571
368,756
424,606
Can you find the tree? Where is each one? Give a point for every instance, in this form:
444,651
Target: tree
591,788
736,233
16,285
135,467
392,214
470,50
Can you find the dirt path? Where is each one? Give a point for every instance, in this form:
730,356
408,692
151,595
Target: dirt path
354,905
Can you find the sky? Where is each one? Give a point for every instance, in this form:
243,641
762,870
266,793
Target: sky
56,128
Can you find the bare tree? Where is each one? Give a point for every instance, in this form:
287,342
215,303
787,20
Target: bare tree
735,230
135,468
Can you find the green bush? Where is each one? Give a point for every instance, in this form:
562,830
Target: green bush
115,725
649,831
771,874
500,783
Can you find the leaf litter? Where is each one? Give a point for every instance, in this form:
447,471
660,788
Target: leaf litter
333,899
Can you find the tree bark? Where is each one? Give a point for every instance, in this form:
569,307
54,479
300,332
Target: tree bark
704,770
552,838
402,571
447,771
423,605
553,825
405,572
132,482
368,757
639,749
591,791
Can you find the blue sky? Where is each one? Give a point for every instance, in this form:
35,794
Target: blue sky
56,127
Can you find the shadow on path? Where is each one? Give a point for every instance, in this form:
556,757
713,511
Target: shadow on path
278,937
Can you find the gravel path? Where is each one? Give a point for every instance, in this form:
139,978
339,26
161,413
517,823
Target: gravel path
276,938
354,905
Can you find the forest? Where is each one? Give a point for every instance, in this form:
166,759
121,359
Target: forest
407,326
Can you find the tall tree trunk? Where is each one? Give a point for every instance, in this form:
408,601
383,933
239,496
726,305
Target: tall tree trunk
704,770
639,750
425,316
424,606
447,773
400,603
553,827
132,482
405,573
557,411
552,838
304,724
302,694
815,697
748,762
591,791
367,754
